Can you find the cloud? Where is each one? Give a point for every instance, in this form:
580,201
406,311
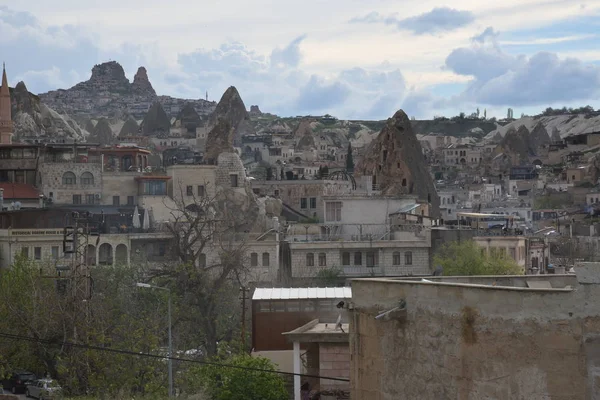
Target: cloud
504,79
289,55
440,19
319,95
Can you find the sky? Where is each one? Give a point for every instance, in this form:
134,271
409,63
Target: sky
352,59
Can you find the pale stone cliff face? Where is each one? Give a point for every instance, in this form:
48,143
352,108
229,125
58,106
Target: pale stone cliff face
396,163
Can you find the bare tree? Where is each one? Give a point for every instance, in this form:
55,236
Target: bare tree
209,245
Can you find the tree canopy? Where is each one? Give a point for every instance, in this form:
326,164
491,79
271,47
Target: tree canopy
468,258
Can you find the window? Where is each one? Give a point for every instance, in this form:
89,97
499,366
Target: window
162,249
233,178
253,259
54,252
358,258
396,258
322,260
130,200
513,253
265,259
408,258
25,252
202,260
276,193
333,211
189,190
313,202
90,199
37,253
371,259
345,258
310,260
116,200
76,199
69,178
87,178
200,190
303,203
155,188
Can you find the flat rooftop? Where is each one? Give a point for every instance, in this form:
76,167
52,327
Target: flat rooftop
316,331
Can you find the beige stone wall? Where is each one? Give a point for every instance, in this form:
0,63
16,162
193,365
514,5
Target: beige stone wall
471,343
384,265
122,184
191,175
51,175
334,362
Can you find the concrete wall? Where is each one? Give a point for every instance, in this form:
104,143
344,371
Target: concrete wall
191,175
369,210
458,341
334,362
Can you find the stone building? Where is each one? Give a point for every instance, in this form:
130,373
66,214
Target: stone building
509,337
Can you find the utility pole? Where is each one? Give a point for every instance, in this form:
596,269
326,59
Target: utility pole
244,289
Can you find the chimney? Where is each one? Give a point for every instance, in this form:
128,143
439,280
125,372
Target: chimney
41,201
1,199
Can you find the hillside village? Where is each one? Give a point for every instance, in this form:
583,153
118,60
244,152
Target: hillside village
307,200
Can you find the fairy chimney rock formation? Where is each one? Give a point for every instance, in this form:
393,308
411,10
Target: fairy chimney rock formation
141,84
396,164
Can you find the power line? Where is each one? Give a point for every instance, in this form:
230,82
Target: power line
140,354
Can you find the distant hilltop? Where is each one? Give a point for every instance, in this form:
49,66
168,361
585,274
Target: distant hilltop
108,93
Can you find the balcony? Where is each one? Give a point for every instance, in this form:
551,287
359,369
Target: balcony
80,159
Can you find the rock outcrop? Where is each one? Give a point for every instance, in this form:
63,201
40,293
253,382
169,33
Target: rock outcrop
34,119
539,138
141,84
108,93
229,120
255,111
395,162
555,138
102,134
304,134
156,122
129,128
516,144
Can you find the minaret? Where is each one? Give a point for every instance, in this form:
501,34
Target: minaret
6,124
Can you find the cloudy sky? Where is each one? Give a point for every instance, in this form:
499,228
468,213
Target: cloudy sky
349,58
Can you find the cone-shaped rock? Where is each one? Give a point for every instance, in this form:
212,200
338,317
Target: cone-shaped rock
156,121
539,137
141,84
22,100
516,144
304,134
189,119
555,135
129,128
89,126
102,134
228,121
396,163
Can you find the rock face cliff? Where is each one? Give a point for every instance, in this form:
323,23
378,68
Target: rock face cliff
229,120
396,163
141,84
129,128
156,122
34,119
108,93
516,144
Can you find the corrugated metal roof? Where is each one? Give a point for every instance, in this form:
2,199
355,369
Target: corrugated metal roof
302,293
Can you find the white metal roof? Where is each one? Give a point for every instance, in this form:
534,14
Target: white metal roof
302,293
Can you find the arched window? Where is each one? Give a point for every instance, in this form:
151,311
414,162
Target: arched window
408,258
310,259
69,178
322,260
253,259
345,258
87,178
265,259
396,258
